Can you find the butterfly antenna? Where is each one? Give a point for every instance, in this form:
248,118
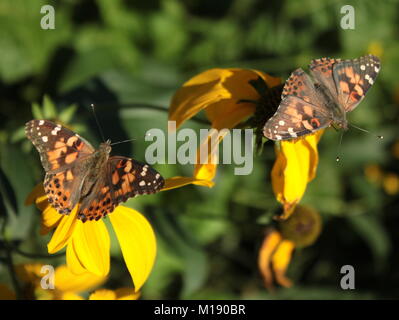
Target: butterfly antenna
112,144
98,123
364,130
339,146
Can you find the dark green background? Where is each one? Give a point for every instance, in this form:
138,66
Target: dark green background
129,57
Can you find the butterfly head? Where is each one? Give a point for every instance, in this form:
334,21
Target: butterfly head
105,147
340,124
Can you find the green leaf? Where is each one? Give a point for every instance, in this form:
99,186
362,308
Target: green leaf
36,111
66,115
49,109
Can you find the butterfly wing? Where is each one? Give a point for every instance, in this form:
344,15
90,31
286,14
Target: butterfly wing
295,118
322,71
58,146
353,78
61,150
123,179
300,111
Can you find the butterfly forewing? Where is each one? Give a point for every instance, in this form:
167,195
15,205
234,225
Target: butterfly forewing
294,118
58,146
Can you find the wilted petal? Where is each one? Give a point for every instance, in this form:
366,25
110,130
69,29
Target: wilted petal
269,245
280,261
89,248
137,240
295,166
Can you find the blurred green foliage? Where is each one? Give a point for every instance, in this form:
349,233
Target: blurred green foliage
128,58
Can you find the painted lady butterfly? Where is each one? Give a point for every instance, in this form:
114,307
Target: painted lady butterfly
76,173
307,106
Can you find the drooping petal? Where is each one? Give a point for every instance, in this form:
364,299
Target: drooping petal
137,241
89,248
197,93
295,166
177,182
63,232
219,91
66,281
280,261
269,245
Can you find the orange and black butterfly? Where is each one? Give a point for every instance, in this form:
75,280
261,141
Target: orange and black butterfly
76,173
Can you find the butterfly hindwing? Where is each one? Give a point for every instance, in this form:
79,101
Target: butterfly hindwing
354,78
124,178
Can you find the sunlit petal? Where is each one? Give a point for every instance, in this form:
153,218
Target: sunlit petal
295,166
63,232
66,281
137,240
280,261
50,219
177,182
90,244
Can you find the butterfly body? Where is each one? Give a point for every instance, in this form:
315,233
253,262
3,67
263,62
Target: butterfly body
309,105
77,174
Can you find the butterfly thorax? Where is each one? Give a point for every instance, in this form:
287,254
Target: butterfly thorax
337,113
95,166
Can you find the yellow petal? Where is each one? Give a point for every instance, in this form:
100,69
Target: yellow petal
50,219
29,272
197,93
207,155
37,192
137,240
119,294
295,166
103,294
6,293
280,261
63,232
220,90
269,245
66,281
177,182
126,294
89,248
70,296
